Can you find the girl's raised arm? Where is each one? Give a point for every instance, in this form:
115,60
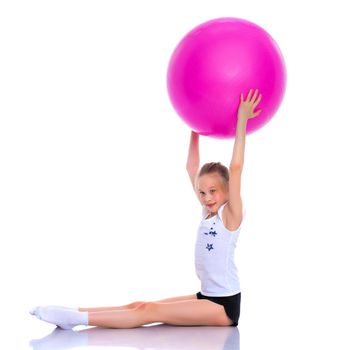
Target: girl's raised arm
245,112
192,165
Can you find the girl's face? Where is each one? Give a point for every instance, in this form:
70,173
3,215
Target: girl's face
211,191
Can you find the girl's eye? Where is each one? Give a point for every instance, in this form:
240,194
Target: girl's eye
212,190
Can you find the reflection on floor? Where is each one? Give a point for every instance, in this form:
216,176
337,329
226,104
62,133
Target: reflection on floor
155,337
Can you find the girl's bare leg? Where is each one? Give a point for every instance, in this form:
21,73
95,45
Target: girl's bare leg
136,304
183,313
111,308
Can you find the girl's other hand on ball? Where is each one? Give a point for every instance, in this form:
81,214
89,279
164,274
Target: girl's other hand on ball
246,108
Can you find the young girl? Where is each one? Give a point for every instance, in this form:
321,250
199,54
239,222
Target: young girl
218,302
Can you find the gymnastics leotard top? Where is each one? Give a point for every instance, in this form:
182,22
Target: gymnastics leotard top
214,256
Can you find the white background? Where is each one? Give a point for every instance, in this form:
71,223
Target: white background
96,207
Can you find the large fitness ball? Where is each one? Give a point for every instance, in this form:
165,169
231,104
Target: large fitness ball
216,62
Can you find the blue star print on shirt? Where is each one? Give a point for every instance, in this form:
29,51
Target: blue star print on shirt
209,247
213,233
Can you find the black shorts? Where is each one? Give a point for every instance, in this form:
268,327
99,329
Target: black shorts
232,305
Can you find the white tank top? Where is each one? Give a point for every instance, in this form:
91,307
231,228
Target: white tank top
214,256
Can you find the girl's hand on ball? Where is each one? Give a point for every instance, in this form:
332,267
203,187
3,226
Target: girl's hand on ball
246,108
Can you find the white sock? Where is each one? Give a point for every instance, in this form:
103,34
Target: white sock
63,318
34,309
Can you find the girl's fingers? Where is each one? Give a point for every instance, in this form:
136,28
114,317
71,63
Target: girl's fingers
257,101
251,99
255,94
249,95
256,113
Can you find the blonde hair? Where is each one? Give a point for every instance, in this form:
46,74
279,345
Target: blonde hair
215,167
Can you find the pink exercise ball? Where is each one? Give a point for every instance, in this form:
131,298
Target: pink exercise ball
216,62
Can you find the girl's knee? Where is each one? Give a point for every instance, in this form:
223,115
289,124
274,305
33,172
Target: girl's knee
136,304
150,311
147,306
